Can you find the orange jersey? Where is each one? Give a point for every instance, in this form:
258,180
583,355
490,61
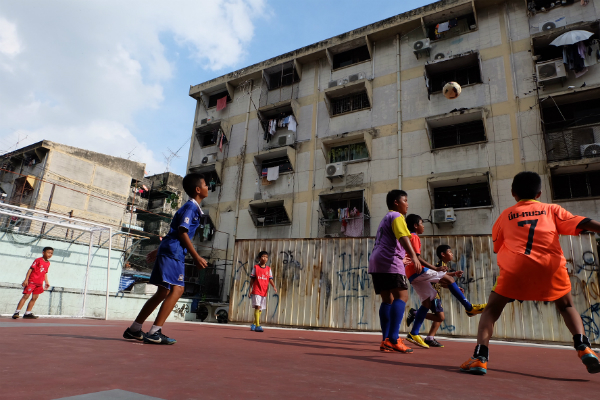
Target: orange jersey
531,261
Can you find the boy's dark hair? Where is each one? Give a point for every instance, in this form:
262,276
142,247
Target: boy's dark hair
442,248
411,221
527,184
46,249
191,182
262,253
394,195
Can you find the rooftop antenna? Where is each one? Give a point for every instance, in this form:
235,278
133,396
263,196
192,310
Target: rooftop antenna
172,155
131,154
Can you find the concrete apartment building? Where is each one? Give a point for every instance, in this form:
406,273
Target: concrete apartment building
371,117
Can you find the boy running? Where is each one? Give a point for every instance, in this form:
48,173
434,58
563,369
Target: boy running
260,278
35,282
532,266
387,270
169,268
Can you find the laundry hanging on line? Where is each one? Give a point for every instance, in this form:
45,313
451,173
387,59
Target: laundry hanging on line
288,122
222,103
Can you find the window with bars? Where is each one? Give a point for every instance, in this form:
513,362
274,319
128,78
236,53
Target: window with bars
350,57
284,77
467,75
576,186
463,196
457,134
283,163
348,152
269,215
459,25
212,100
353,102
537,5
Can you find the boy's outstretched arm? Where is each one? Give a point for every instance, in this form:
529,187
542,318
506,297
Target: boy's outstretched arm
589,225
426,264
46,282
273,284
405,242
185,241
26,281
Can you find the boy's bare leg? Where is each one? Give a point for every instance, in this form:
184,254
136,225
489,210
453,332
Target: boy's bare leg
490,315
434,327
22,301
168,304
572,318
32,302
152,303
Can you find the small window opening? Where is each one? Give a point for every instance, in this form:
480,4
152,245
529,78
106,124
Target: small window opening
450,28
283,163
350,57
212,100
284,77
353,102
462,196
269,215
348,152
454,135
466,75
575,186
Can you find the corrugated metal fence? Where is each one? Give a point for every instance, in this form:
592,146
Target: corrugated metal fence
324,283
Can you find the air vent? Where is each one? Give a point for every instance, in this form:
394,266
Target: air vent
553,24
353,78
550,70
547,71
282,140
590,150
203,121
439,56
442,215
204,160
335,170
422,44
332,84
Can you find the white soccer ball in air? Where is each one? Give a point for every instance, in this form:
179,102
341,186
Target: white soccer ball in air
452,90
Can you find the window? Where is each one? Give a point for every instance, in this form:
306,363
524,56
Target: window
212,100
559,116
283,162
350,57
537,5
348,152
210,135
266,214
457,134
464,70
462,196
353,102
575,186
351,225
284,77
455,27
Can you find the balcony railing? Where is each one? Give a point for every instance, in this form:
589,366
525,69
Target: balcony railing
573,144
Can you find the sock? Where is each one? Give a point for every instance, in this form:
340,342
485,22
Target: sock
430,338
396,315
481,351
135,327
384,318
154,329
27,312
256,317
17,311
421,314
579,340
455,290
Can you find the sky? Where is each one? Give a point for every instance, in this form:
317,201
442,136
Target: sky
113,76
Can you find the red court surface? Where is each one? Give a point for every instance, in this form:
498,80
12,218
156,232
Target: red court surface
57,358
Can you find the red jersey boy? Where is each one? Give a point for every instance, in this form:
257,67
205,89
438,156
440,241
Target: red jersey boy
34,283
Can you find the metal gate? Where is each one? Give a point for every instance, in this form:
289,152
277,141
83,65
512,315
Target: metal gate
324,283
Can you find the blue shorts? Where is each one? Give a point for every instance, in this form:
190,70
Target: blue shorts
167,271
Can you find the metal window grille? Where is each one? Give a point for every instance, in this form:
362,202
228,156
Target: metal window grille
353,102
573,186
462,196
350,57
454,135
269,216
573,144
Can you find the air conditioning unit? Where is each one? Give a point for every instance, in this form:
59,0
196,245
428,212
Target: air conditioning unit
439,56
205,121
553,24
420,45
590,150
209,159
357,77
332,84
335,170
442,215
550,70
286,140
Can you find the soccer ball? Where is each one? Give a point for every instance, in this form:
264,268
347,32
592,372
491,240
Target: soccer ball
452,90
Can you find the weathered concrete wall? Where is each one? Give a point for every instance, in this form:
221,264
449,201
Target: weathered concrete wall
324,283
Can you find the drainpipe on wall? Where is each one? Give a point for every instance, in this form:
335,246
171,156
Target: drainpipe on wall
243,155
399,92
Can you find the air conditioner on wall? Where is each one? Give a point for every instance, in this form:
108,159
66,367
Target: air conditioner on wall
550,70
553,24
205,121
590,150
420,45
286,140
335,170
209,159
357,77
442,215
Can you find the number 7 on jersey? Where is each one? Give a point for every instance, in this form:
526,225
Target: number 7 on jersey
533,224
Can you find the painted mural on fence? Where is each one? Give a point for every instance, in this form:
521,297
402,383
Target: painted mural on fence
324,283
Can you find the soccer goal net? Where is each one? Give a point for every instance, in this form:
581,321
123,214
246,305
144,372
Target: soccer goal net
80,275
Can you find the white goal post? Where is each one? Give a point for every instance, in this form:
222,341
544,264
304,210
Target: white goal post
47,225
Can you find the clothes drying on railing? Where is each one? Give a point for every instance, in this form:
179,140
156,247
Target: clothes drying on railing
288,122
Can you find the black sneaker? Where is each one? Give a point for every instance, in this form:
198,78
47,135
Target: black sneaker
433,343
29,316
15,315
129,334
412,314
158,338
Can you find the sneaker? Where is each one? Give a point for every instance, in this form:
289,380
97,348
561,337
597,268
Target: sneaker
15,315
477,309
29,316
417,339
384,348
252,327
433,343
412,314
399,347
129,334
158,338
589,358
258,329
475,366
